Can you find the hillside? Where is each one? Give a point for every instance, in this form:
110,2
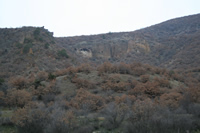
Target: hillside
171,44
110,98
142,81
28,50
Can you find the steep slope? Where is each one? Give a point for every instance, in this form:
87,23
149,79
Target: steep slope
28,50
45,88
171,44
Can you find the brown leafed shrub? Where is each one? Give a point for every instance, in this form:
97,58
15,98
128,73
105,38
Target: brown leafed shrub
152,89
85,99
18,82
83,83
31,119
106,67
139,89
125,99
133,83
171,99
17,98
86,68
144,78
21,115
61,72
162,82
72,70
44,90
2,97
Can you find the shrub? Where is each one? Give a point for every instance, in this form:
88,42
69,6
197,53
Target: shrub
19,45
193,93
144,78
86,100
86,68
162,82
114,115
37,83
28,40
172,99
18,82
46,46
27,48
61,121
152,89
139,89
42,76
17,98
36,32
48,98
83,83
124,68
63,53
31,120
138,70
2,96
51,76
1,81
106,67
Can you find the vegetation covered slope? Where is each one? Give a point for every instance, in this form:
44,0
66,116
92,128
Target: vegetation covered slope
46,88
28,50
110,98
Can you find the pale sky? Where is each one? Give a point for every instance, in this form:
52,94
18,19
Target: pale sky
88,17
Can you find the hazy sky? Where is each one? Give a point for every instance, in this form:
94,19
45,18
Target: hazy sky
86,17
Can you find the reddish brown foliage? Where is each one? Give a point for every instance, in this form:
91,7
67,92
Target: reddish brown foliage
125,98
106,67
144,78
162,82
2,97
150,89
171,99
86,68
18,98
18,82
84,99
83,83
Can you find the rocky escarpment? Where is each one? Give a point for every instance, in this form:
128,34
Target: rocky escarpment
111,46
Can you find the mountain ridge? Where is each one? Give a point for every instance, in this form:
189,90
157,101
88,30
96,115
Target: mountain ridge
172,34
173,44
